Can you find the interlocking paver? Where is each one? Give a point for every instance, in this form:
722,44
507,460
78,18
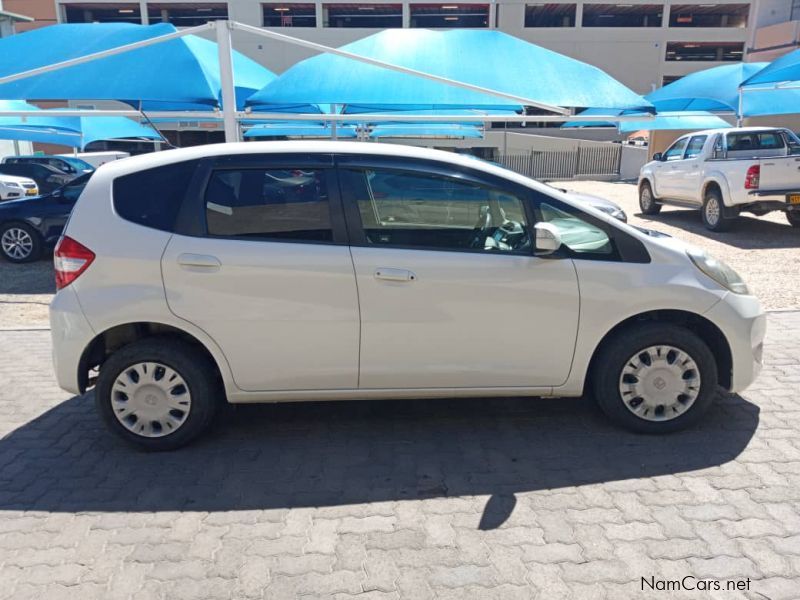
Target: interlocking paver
534,499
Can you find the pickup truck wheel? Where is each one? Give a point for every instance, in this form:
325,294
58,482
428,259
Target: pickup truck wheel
647,201
713,212
655,378
794,218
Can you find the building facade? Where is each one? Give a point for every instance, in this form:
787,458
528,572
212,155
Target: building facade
642,43
776,30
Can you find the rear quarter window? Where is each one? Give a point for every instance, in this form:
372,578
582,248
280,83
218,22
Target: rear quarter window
154,196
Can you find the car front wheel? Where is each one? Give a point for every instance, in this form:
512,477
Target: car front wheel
655,378
158,393
794,218
20,243
647,201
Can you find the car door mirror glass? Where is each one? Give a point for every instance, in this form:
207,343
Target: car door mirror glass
658,156
548,239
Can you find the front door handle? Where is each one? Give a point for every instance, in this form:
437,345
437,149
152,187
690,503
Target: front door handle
199,262
390,274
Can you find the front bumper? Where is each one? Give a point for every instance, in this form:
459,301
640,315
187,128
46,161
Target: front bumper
744,324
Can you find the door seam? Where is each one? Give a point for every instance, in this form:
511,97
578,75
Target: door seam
358,304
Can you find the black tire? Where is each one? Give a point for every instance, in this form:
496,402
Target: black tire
713,212
616,353
647,200
32,253
199,373
793,217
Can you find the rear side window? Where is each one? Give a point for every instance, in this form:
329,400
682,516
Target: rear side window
771,140
272,204
153,197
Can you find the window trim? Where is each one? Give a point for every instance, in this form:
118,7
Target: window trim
691,138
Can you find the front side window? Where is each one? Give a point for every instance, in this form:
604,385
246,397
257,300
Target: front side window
577,234
675,151
415,210
695,146
276,204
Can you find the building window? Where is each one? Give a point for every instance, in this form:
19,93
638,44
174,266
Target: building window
188,14
550,15
667,79
102,13
449,15
622,15
795,10
289,15
706,15
362,15
705,51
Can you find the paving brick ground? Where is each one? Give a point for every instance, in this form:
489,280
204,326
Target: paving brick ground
448,499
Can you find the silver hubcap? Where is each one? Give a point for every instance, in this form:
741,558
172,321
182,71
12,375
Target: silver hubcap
712,211
659,383
17,243
150,399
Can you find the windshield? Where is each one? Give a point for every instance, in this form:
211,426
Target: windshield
79,164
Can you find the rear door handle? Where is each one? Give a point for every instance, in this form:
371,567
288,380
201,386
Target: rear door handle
199,262
390,274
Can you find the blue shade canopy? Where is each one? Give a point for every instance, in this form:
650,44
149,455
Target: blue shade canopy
76,132
299,129
675,120
785,68
715,89
171,74
485,58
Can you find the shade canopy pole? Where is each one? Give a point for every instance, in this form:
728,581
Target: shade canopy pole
225,52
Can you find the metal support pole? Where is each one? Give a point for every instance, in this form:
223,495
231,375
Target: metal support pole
739,110
334,133
225,50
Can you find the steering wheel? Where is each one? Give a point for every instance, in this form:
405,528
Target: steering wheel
483,224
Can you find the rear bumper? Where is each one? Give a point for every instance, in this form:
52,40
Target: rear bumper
71,335
744,324
772,199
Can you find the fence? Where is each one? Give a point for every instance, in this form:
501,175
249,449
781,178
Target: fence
580,162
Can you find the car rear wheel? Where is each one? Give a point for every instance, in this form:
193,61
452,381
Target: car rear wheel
655,378
158,393
793,217
713,212
20,243
647,201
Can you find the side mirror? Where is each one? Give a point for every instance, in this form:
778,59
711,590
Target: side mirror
657,156
548,239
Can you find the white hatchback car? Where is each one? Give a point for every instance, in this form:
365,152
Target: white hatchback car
285,271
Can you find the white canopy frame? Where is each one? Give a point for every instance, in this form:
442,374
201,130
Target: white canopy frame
231,117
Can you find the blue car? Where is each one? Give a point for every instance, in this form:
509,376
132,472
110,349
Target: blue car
28,226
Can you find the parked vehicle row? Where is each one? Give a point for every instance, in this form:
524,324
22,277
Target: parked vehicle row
725,172
30,226
47,178
284,271
68,164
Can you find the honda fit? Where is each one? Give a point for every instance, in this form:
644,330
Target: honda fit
293,271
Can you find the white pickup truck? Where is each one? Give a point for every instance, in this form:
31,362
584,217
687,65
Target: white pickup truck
724,172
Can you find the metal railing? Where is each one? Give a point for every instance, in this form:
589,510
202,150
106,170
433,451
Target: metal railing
580,162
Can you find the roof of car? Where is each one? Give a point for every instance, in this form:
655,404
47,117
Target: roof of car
730,130
145,161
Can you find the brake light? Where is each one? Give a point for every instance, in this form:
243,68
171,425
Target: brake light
753,177
70,259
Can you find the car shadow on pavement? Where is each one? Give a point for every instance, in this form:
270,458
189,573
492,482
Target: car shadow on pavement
749,232
28,278
336,453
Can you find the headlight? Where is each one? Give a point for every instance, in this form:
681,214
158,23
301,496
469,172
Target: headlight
13,184
718,271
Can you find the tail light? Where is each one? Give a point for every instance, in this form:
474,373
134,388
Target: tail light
70,259
752,179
